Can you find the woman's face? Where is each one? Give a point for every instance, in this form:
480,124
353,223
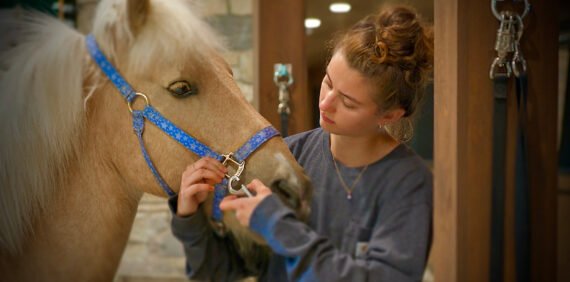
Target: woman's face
345,103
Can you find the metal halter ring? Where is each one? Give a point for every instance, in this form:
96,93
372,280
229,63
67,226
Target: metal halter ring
498,15
137,94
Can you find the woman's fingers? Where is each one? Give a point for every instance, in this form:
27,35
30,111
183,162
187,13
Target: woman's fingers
211,164
189,192
205,170
230,203
255,185
201,176
203,195
190,197
205,163
197,181
258,186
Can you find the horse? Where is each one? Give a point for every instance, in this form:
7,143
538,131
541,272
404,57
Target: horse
71,168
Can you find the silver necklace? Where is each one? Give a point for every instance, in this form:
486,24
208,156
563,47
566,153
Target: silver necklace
346,188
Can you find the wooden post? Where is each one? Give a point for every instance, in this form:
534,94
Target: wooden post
465,33
279,37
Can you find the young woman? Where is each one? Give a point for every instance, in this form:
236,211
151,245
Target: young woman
372,201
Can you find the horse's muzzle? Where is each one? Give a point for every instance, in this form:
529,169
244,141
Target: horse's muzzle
297,198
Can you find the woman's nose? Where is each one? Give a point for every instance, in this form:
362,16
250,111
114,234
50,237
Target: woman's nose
327,103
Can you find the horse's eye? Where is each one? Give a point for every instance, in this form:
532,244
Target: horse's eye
181,89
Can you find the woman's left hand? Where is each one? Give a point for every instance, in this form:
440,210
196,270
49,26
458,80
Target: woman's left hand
244,206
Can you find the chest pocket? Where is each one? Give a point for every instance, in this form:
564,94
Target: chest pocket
355,234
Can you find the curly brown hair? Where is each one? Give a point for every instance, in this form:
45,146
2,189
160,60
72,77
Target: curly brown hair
394,49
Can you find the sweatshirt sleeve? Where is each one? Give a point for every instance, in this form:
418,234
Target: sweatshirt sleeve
397,250
208,256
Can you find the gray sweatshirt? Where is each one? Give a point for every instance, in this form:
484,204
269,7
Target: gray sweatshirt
383,233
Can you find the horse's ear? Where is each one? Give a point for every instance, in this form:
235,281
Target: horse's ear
137,11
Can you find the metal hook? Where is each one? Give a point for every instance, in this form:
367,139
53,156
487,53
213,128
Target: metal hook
242,190
498,15
504,44
283,78
517,56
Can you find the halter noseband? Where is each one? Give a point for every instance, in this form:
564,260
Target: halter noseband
237,158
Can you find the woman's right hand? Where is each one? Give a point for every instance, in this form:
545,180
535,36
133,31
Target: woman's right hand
197,181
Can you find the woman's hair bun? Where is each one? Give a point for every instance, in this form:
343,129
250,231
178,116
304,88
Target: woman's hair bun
402,39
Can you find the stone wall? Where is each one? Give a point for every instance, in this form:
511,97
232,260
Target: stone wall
152,253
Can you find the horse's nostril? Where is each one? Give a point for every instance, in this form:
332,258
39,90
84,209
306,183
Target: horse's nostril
286,192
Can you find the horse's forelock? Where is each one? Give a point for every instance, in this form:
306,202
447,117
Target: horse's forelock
173,32
41,113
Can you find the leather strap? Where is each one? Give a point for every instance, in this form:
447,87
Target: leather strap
500,84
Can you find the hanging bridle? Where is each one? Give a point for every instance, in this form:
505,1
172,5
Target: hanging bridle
237,158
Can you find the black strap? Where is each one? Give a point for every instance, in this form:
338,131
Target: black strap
284,117
500,84
522,200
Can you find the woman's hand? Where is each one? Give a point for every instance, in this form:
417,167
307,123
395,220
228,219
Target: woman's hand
244,206
197,181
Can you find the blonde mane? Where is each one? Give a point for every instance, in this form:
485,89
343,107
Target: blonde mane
43,96
41,117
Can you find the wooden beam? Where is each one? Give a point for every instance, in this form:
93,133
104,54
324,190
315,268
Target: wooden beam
280,38
465,33
444,253
463,107
540,47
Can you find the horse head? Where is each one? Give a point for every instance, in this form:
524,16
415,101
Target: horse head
71,163
169,55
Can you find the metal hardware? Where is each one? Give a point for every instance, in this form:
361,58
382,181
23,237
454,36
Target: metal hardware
240,166
235,178
242,190
504,44
137,94
498,14
283,78
517,56
508,39
505,36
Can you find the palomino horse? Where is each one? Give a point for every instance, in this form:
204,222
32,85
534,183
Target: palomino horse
71,168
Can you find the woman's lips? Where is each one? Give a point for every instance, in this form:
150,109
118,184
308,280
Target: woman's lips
326,119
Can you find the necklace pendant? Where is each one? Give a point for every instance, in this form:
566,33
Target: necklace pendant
348,196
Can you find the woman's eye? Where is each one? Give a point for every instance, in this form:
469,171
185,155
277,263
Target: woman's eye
181,89
347,104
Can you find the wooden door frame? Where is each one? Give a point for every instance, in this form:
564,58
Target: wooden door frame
465,33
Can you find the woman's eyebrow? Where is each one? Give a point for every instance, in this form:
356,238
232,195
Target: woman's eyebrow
341,93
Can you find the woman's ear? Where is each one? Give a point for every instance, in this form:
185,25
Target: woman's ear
390,117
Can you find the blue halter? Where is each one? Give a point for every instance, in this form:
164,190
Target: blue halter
173,131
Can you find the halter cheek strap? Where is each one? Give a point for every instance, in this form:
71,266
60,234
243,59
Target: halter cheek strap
172,130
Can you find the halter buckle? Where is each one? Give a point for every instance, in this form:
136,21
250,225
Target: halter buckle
228,159
240,166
